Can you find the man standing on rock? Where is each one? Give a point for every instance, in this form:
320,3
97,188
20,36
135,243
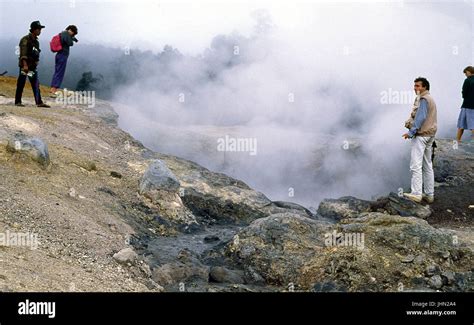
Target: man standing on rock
28,63
422,126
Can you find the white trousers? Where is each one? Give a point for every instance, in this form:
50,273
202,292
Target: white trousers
422,175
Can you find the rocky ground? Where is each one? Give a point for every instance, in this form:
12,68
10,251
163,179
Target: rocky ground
112,215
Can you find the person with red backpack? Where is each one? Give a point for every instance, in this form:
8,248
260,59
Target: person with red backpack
60,44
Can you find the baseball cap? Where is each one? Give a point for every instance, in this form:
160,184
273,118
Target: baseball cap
36,24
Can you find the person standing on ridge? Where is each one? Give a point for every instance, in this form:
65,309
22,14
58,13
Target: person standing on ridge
422,126
28,63
67,39
466,116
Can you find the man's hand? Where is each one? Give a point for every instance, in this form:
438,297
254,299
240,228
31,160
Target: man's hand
406,136
25,68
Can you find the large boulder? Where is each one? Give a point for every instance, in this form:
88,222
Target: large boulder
277,247
34,148
185,269
158,177
126,256
397,204
453,162
223,275
161,191
351,207
215,198
344,207
373,252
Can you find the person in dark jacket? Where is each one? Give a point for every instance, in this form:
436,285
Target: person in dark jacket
68,37
466,116
28,63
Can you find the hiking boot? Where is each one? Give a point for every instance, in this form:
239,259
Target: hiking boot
43,105
19,104
428,198
413,197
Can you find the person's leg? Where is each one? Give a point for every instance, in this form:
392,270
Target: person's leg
428,174
20,85
59,70
459,134
470,121
416,164
35,85
462,124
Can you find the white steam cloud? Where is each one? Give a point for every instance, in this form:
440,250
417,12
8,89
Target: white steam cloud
305,93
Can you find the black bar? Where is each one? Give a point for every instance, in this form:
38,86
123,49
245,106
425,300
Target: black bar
242,306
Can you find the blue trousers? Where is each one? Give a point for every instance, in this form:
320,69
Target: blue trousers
35,85
59,70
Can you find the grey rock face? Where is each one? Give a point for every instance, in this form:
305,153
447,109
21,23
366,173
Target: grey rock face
186,267
223,275
158,177
390,250
33,148
126,256
344,207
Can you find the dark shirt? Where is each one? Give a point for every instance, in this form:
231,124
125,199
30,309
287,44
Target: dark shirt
66,41
29,51
468,93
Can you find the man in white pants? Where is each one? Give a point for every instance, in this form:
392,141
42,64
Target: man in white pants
422,126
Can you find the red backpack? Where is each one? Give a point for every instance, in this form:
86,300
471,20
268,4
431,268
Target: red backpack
55,43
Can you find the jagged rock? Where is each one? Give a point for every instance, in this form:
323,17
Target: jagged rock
451,163
277,247
158,177
420,259
145,268
126,256
294,207
288,248
160,186
152,285
436,282
448,277
33,148
252,276
344,207
408,259
464,281
218,198
277,207
215,198
226,207
351,207
432,270
404,207
223,275
186,268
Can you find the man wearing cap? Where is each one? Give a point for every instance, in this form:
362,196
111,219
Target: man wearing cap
28,63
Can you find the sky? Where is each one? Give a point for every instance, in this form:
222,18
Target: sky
187,25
